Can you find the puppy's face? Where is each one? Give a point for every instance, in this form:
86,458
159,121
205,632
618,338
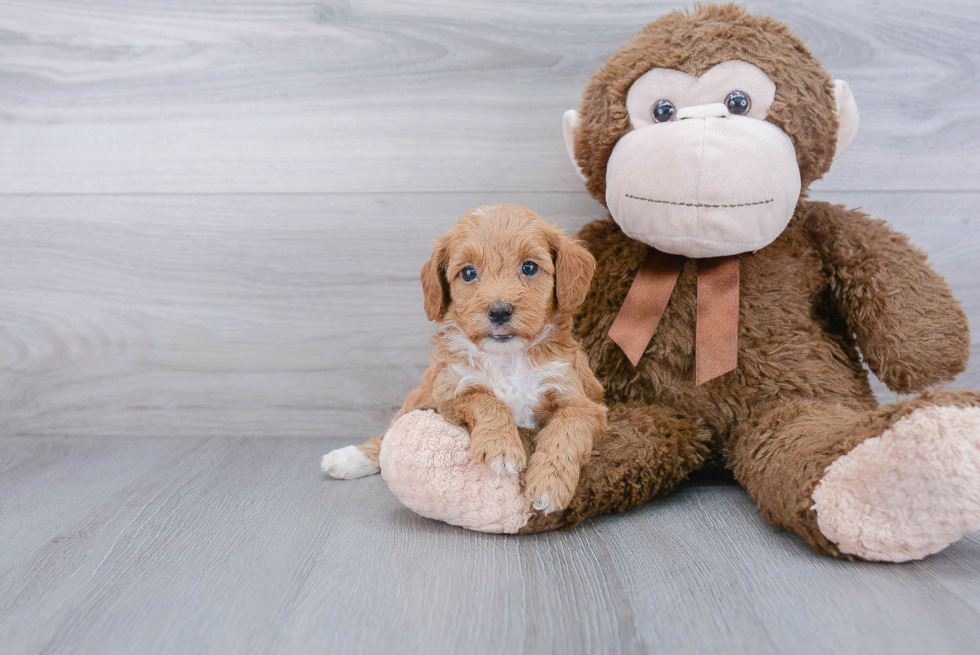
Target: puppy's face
501,274
501,282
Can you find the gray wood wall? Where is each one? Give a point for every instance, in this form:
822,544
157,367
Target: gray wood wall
212,213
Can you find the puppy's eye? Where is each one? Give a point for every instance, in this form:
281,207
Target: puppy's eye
529,269
468,274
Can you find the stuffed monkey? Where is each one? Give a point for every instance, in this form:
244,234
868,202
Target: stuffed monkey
730,319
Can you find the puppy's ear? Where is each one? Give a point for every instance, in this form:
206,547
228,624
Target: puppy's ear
435,286
574,266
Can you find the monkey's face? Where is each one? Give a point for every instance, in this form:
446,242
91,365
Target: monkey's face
702,173
705,154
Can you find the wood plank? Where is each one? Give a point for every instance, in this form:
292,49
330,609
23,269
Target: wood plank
238,544
270,315
47,483
112,97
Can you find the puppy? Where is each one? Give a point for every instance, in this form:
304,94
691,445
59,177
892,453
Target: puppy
502,285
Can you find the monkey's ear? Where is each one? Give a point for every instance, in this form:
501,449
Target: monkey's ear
435,286
570,122
847,116
574,266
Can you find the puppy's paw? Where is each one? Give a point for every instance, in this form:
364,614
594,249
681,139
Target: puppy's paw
544,504
348,463
504,466
549,487
501,450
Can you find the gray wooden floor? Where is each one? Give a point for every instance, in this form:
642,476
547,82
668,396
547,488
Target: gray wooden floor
213,214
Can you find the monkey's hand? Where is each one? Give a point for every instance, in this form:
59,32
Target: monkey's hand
909,327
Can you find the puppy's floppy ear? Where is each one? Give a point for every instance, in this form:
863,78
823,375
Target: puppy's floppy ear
435,286
574,266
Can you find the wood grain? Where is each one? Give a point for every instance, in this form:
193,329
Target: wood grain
296,96
271,315
294,315
238,545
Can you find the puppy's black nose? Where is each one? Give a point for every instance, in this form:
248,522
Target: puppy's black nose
501,313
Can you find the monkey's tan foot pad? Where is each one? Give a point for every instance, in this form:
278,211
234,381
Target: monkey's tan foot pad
908,493
426,462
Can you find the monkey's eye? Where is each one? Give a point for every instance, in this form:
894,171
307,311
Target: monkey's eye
529,269
468,274
738,103
663,111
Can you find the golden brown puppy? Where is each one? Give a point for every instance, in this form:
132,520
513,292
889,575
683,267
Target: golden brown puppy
503,284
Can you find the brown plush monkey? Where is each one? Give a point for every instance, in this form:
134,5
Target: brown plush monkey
729,317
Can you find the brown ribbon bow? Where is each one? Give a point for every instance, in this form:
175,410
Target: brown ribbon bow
716,342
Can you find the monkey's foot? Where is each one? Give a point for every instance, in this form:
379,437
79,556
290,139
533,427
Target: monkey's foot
426,462
908,493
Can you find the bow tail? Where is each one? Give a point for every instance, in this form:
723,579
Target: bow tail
716,344
645,303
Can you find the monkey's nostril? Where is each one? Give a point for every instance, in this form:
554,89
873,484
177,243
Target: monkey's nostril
501,312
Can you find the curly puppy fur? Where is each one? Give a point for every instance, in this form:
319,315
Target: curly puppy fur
834,286
528,371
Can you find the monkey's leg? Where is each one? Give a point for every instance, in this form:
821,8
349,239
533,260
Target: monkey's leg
647,452
891,484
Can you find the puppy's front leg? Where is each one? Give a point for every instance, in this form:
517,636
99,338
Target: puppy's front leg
494,439
561,448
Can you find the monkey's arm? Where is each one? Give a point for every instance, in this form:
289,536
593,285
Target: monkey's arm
909,327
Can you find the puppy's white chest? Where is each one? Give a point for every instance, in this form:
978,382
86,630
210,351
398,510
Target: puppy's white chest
514,380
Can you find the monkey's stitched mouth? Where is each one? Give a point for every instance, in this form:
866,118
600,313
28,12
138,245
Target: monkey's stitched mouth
699,204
